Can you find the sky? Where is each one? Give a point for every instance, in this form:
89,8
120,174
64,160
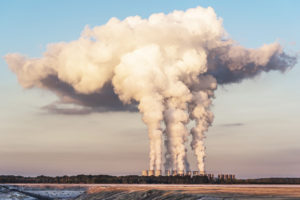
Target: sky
256,128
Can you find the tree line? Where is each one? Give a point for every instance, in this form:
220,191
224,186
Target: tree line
94,179
133,179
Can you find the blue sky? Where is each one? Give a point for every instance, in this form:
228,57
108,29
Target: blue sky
256,127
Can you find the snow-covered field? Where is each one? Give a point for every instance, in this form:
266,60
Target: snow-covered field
146,191
54,193
15,196
6,194
32,192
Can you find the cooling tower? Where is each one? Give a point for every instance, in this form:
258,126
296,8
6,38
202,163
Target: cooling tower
150,172
144,173
221,176
174,173
209,176
168,173
157,172
180,173
195,173
188,173
226,176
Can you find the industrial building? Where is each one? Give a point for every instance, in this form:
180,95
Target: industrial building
226,177
188,173
180,173
174,172
150,172
157,173
144,173
167,173
210,176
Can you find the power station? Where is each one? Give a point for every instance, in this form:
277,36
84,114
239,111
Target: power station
210,176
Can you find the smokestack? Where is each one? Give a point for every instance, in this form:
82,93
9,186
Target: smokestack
144,173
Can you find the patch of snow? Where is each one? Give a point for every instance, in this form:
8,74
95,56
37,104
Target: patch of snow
15,196
57,194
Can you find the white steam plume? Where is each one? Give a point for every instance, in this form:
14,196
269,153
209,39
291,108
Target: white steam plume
200,112
176,119
169,65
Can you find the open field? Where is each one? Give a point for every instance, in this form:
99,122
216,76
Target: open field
135,191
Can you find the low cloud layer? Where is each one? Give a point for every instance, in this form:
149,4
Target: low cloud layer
232,124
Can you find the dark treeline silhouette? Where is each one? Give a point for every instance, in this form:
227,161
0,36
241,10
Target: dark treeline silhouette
269,181
94,179
106,179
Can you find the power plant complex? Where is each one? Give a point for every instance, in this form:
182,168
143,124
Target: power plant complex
187,173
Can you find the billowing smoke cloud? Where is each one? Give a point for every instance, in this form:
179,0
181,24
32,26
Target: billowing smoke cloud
166,66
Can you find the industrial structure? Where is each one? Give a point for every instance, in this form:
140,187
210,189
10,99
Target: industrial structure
167,173
150,172
188,173
144,173
210,176
225,177
157,173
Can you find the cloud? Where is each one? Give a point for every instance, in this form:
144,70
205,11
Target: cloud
55,109
232,64
105,100
193,42
232,124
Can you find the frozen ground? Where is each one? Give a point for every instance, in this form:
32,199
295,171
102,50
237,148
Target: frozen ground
6,194
142,191
43,192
